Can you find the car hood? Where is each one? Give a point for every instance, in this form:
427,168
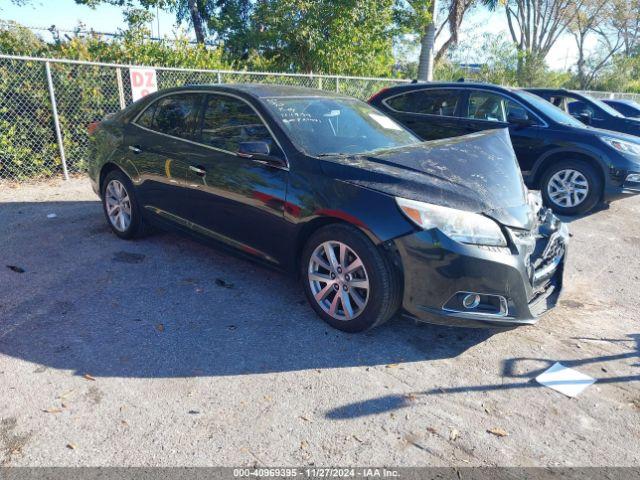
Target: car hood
477,173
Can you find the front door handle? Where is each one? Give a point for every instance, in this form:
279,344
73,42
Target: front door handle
135,149
198,170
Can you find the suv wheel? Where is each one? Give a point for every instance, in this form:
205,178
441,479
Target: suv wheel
571,187
121,206
348,281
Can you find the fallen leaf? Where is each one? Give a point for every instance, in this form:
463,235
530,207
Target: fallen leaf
359,440
231,328
304,418
221,283
15,269
432,430
71,446
304,444
160,327
52,215
52,410
454,435
392,365
66,394
498,432
89,377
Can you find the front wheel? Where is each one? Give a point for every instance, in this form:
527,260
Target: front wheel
348,281
571,187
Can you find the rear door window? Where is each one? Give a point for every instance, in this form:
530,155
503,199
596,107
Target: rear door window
436,101
228,121
175,115
493,107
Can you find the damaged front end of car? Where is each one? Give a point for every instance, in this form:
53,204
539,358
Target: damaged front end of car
454,283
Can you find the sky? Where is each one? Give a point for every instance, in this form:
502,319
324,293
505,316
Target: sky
66,14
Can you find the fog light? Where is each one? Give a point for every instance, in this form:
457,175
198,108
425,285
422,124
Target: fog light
471,301
633,177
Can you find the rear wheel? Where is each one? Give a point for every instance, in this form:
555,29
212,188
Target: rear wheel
571,187
348,281
121,206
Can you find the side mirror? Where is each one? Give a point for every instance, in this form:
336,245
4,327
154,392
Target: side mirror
519,118
259,151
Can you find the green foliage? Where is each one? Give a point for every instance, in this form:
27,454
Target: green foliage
336,36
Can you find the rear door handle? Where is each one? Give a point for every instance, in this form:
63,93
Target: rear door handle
198,170
135,149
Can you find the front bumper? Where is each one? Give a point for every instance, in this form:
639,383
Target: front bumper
527,275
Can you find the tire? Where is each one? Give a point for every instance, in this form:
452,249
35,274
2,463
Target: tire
585,174
135,227
382,296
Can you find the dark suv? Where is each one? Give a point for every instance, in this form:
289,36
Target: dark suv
589,110
575,166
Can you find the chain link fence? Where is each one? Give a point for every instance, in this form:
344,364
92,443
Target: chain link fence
46,106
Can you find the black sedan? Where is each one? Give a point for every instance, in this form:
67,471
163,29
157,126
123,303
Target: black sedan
373,220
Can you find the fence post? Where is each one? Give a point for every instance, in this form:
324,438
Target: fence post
337,85
319,83
219,78
120,88
56,120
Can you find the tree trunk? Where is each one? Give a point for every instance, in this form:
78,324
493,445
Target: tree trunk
196,19
427,47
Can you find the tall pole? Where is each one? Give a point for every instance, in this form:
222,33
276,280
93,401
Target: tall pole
56,120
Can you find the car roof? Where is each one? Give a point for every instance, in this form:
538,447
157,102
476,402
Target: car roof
475,85
623,101
260,90
551,90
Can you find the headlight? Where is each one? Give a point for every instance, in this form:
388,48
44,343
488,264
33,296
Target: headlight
622,146
633,177
535,199
465,227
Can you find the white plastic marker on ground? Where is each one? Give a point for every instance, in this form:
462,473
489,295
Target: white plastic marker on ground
565,380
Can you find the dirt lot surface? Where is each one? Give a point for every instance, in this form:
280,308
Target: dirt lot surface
167,352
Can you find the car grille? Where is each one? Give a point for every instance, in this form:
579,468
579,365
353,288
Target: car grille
543,247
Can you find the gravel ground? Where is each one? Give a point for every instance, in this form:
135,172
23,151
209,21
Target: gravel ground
165,352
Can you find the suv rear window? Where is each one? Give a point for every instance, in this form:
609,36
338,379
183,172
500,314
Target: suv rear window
434,101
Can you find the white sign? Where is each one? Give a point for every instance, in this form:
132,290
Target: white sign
143,82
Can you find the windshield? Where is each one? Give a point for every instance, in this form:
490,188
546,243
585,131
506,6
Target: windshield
548,109
607,108
324,126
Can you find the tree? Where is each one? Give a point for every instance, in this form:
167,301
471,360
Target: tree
421,18
593,17
535,26
195,8
337,36
453,12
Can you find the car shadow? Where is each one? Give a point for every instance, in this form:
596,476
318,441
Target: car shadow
166,306
532,367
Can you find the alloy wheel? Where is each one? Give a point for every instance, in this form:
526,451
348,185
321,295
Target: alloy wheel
338,280
568,188
118,205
